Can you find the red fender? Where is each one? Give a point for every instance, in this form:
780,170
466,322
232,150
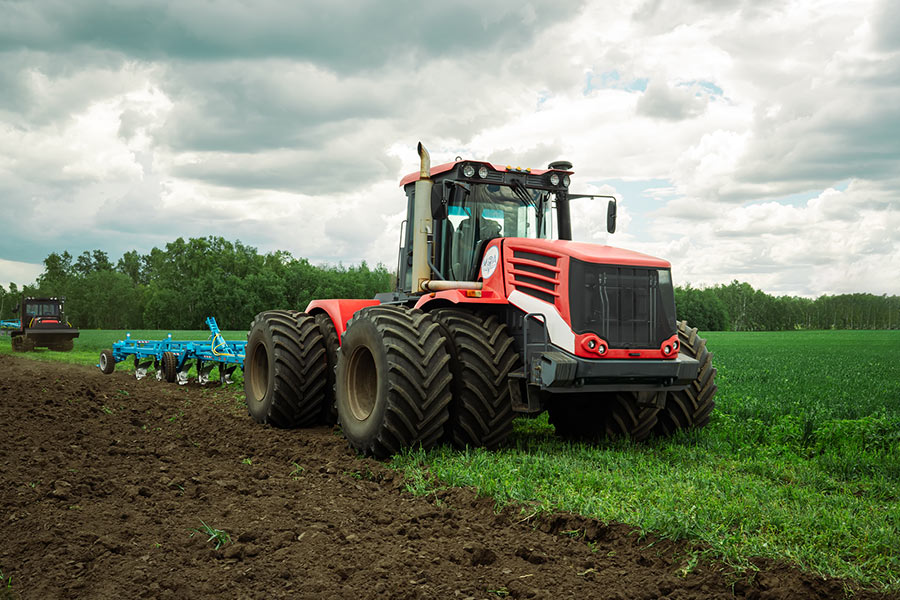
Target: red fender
340,311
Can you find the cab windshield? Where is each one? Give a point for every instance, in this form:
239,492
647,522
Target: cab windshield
42,309
488,212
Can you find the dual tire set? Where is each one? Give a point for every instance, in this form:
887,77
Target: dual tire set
23,343
402,378
640,416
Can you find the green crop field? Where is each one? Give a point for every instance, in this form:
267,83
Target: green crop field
800,462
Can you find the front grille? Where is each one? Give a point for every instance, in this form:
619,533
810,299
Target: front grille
629,307
536,275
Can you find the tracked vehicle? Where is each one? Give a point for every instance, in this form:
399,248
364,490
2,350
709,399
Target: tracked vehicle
497,312
42,324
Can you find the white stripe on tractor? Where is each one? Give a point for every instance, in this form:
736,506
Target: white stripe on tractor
559,331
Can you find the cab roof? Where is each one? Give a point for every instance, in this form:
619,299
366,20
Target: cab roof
437,170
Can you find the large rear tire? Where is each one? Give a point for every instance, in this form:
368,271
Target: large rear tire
330,339
284,369
691,407
481,358
392,380
18,344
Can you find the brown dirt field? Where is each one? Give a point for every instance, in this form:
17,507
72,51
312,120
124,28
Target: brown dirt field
104,480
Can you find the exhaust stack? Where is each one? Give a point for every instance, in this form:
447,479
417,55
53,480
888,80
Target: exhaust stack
422,227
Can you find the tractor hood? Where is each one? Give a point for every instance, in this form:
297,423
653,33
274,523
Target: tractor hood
592,253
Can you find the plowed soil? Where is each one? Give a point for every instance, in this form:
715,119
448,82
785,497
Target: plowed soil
106,483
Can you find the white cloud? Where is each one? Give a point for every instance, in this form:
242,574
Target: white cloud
18,272
276,126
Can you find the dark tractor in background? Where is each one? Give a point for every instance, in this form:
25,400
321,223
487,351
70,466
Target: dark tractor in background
42,324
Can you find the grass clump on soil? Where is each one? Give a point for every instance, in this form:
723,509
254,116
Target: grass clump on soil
218,537
6,587
800,462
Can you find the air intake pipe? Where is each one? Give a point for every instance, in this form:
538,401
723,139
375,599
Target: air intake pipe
422,227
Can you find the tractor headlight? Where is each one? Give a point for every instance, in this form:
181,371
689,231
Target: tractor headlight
483,172
554,179
468,171
566,181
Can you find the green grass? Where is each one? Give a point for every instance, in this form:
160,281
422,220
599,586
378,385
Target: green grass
801,460
218,537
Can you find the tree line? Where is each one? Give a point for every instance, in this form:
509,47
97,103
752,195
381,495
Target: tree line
178,286
738,307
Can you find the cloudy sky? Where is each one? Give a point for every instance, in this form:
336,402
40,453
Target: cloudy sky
751,140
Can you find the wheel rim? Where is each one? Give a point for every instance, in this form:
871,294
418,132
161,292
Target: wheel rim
103,362
259,373
362,383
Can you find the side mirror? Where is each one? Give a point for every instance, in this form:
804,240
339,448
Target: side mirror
440,196
611,216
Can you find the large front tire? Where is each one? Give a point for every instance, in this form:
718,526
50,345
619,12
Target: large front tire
613,415
392,381
691,407
481,358
284,369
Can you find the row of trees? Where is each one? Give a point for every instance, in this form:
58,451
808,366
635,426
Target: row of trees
739,307
179,286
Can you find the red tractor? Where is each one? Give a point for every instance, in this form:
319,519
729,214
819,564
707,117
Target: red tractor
497,312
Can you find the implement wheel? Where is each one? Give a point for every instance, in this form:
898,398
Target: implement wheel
691,407
169,367
107,362
284,369
481,357
330,339
592,416
392,381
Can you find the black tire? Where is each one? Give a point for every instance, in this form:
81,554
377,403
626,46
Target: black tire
592,416
330,340
392,380
284,369
107,362
169,366
691,407
17,344
65,346
481,357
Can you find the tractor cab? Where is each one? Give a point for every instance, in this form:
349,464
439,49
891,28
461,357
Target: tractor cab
473,202
43,311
